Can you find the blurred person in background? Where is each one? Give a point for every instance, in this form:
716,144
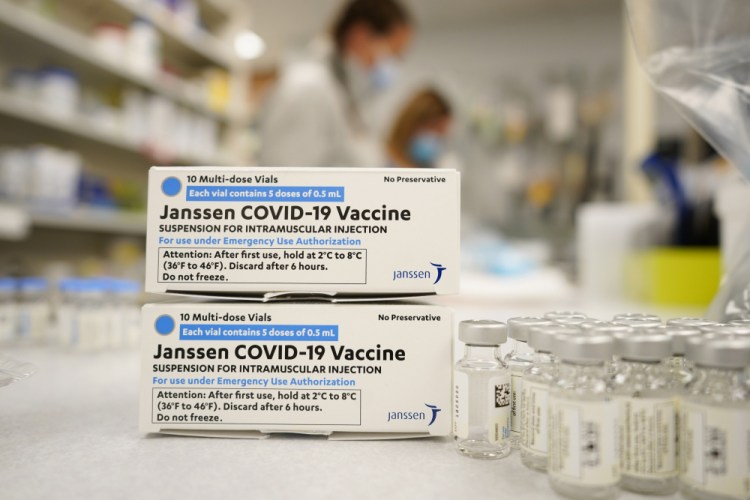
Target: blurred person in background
315,116
418,136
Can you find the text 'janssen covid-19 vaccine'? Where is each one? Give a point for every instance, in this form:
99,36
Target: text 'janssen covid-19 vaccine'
379,368
253,230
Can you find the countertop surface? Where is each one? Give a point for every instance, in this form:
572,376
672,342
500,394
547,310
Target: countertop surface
70,431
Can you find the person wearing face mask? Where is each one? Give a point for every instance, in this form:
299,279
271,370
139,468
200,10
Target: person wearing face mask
417,139
316,115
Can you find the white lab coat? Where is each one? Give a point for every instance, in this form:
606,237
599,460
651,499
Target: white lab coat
308,122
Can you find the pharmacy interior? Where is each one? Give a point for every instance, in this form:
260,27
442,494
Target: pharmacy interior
374,248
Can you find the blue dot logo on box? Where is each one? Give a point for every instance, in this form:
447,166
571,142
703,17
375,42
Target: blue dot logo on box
164,324
171,186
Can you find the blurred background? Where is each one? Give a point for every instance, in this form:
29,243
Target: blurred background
578,181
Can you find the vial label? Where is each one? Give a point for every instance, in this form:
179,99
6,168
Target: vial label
516,386
499,409
461,405
534,425
93,331
648,436
583,442
7,322
715,446
64,330
32,321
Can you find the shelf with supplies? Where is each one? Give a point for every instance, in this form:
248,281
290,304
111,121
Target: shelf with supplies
17,221
100,220
190,43
70,48
83,128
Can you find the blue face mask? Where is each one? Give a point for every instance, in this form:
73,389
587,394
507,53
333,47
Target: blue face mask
425,148
384,73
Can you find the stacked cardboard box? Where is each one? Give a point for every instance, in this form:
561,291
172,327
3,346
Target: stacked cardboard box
297,319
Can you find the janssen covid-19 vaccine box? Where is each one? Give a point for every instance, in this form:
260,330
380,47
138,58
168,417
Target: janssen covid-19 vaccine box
335,231
248,369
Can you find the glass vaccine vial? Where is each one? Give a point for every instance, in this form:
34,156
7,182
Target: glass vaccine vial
92,316
646,393
8,310
518,359
535,395
715,421
66,330
682,369
583,461
33,310
127,312
612,330
481,380
728,330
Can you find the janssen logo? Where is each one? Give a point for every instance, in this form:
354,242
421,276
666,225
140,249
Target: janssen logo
430,415
420,274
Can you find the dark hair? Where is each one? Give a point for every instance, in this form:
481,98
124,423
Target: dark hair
424,107
382,16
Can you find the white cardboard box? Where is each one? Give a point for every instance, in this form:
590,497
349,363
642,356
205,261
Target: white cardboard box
333,231
355,371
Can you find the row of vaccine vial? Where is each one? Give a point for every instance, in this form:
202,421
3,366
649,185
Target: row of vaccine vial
601,405
87,314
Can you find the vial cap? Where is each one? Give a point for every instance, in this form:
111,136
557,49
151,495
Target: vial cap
612,329
581,348
636,316
643,346
726,329
553,315
679,335
541,338
636,321
719,351
518,328
572,320
690,322
593,323
485,332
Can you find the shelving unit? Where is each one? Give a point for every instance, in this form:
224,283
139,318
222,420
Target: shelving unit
67,46
80,127
196,43
62,37
17,221
97,220
28,111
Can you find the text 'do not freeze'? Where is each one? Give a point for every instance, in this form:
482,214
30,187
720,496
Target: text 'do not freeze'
176,406
264,265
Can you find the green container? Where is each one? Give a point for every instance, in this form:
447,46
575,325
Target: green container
674,276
